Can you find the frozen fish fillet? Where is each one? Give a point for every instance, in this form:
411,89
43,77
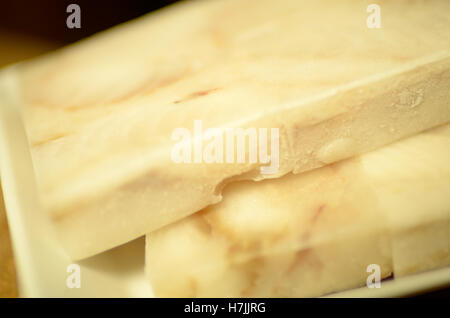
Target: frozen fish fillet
417,203
314,233
100,114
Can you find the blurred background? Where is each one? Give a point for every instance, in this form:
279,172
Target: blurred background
31,28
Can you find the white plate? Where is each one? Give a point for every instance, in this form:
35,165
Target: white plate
41,264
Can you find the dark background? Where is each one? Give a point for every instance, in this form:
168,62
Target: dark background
46,19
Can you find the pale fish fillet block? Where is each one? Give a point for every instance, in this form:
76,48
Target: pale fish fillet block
417,204
314,233
99,114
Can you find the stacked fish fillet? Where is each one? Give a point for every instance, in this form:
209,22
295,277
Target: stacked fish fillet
364,143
